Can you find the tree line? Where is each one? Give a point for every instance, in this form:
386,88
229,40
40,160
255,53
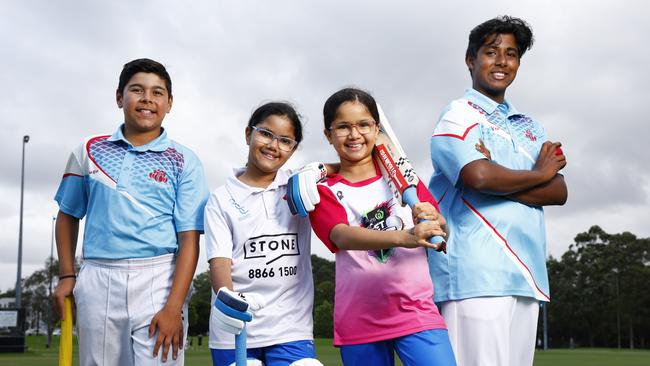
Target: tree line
599,294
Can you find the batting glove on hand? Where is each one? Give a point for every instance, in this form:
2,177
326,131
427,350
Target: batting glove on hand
302,190
232,309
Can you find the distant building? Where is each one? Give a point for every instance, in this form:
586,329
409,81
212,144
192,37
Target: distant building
7,302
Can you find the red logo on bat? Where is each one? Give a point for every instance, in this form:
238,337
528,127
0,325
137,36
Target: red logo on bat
391,168
159,176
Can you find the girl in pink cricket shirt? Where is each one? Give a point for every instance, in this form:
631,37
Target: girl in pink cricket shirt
384,294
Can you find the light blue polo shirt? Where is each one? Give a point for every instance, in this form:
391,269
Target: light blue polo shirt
135,198
496,247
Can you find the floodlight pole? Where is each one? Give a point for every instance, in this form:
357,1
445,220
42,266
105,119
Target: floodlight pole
544,304
20,229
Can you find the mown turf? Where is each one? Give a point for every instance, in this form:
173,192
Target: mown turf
38,355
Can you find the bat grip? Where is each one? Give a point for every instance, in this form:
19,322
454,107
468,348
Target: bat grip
65,345
410,197
240,347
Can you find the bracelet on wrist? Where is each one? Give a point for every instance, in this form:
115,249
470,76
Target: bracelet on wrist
68,276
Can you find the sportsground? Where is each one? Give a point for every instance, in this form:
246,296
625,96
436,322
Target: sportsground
38,355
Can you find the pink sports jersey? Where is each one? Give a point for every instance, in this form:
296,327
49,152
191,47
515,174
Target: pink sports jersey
380,294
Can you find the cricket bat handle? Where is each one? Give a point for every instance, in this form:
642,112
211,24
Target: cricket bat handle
65,345
410,197
240,347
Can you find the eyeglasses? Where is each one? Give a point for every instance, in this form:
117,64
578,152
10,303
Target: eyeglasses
345,129
266,137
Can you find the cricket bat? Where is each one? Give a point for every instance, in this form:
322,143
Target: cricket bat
396,169
65,345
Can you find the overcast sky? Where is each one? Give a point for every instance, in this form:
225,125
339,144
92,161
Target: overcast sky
584,80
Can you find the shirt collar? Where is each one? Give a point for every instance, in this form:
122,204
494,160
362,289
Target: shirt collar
159,144
336,178
488,105
241,190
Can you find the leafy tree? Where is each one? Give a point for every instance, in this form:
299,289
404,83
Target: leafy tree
597,296
324,320
324,291
37,297
322,269
200,303
323,273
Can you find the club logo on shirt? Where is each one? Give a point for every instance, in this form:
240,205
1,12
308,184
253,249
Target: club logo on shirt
380,219
271,247
159,176
530,135
242,210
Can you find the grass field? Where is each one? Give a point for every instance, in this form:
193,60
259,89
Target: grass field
38,355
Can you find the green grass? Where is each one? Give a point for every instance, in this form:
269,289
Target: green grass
592,357
38,355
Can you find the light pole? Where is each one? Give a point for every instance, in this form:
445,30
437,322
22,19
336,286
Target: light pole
544,305
618,312
20,230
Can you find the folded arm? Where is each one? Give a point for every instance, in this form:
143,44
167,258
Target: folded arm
540,186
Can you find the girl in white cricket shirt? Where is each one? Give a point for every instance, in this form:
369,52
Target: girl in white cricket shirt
257,248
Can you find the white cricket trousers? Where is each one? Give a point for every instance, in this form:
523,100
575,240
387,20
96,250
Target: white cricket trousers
492,331
116,301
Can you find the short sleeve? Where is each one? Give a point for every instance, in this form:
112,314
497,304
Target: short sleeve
451,152
424,195
218,234
72,194
327,214
191,196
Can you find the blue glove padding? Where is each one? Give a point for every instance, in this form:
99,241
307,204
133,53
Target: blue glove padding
231,311
232,299
302,190
293,196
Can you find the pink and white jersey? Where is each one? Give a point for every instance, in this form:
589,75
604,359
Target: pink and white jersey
380,294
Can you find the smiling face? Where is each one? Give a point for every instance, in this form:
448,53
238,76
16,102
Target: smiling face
145,101
267,158
355,148
495,66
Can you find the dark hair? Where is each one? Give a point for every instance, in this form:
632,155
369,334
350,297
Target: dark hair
500,25
282,109
143,65
348,95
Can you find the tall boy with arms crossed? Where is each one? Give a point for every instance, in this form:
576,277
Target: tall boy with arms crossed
494,274
143,196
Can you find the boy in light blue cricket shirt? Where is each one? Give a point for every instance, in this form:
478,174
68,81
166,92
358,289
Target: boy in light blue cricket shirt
493,173
142,195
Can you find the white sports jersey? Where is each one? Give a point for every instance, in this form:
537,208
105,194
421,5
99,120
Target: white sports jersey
271,255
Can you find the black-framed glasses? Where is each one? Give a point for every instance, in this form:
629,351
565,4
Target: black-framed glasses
266,137
344,129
